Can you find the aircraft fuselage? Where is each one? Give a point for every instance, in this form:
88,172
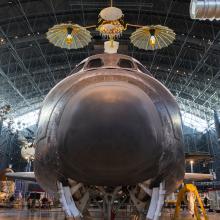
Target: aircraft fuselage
109,124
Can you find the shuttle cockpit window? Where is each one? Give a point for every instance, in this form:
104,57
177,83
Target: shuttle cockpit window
124,63
141,68
95,63
78,68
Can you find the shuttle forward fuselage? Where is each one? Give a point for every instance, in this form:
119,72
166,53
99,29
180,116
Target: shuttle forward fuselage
109,124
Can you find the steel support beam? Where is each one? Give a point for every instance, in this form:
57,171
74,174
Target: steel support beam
20,62
13,86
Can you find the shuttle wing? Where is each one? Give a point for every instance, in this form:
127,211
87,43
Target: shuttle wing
198,176
29,176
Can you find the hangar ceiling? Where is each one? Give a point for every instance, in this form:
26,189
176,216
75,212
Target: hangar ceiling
30,66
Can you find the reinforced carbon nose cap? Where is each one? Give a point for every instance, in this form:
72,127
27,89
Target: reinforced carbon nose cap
108,135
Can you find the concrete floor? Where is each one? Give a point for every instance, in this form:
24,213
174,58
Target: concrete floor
168,216
12,214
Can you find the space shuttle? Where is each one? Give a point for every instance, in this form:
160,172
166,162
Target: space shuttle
109,130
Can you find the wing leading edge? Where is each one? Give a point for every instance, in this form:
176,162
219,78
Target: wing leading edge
29,176
198,176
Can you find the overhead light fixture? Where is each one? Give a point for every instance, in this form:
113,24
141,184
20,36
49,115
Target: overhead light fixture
191,165
111,25
69,36
2,41
152,37
152,40
191,162
111,14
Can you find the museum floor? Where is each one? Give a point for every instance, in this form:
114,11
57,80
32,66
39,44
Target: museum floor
12,214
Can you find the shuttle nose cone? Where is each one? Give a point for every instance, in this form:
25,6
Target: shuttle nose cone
109,134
